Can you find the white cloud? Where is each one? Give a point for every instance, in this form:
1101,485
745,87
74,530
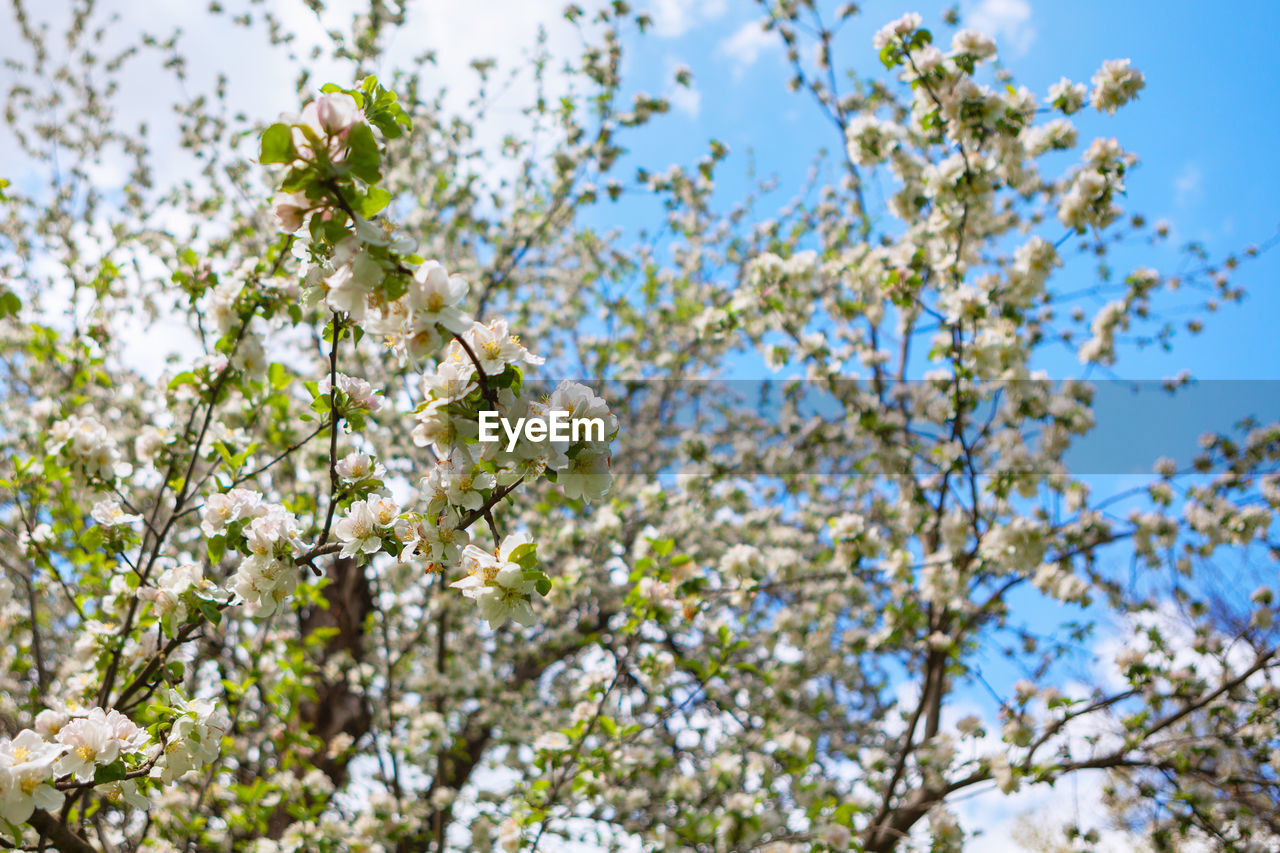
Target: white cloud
672,18
747,44
687,98
1004,820
1009,21
1186,186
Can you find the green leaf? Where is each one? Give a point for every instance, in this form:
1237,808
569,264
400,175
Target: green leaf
113,772
374,203
217,549
279,376
184,378
525,555
225,451
210,610
10,304
277,145
363,158
91,539
544,586
296,179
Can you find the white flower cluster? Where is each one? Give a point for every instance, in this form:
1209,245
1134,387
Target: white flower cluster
1017,546
1115,84
365,523
870,139
89,446
456,483
1067,96
359,392
964,302
357,466
1059,134
894,30
768,268
41,536
1033,261
411,325
328,119
194,738
268,575
581,468
109,513
61,745
974,44
1101,348
438,543
321,131
498,584
268,534
1090,198
352,278
172,596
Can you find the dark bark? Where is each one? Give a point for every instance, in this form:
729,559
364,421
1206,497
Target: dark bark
339,708
58,833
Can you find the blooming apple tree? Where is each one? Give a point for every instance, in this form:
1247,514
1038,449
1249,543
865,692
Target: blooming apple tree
276,594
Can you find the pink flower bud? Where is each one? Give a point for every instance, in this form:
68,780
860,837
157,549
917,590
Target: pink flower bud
289,210
333,114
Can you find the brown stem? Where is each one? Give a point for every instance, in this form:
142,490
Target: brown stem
59,833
